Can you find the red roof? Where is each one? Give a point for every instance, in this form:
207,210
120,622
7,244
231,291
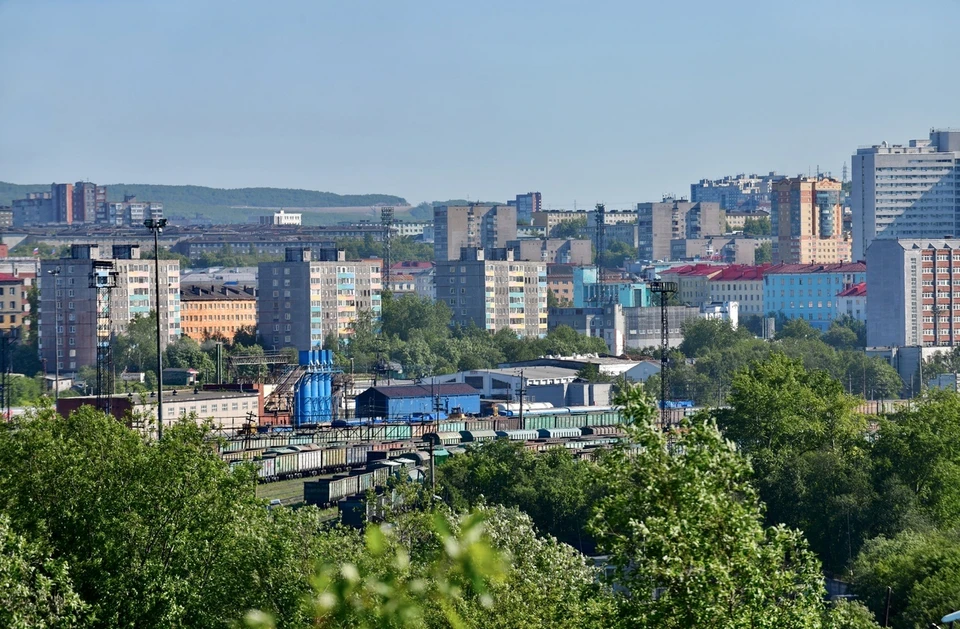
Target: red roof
839,267
694,269
6,277
740,272
857,290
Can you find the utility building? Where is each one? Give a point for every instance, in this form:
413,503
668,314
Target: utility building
417,400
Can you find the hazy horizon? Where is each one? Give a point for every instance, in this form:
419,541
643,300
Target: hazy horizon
612,102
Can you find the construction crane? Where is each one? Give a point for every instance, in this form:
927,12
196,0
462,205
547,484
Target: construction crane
103,279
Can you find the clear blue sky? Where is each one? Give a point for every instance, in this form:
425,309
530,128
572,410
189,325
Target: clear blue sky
588,101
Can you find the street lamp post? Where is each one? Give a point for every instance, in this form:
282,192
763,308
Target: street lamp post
157,225
55,273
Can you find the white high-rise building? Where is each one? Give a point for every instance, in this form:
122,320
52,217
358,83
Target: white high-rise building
910,191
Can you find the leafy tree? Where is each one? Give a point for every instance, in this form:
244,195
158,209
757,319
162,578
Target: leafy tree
186,353
798,329
556,490
552,301
838,336
569,229
683,528
763,254
616,252
36,589
921,570
917,447
809,454
703,335
155,534
754,227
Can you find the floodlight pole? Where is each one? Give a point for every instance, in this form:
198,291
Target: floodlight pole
157,225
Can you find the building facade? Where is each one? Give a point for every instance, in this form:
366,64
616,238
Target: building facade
552,250
809,291
129,213
910,191
852,302
282,218
474,226
491,290
591,289
36,209
88,198
14,302
314,294
914,292
738,192
526,205
69,305
674,219
217,310
693,282
741,284
806,217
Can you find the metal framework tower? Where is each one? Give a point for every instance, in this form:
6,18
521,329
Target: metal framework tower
600,217
665,290
386,222
103,279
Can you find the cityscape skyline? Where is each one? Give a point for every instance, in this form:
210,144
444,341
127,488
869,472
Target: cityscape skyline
331,98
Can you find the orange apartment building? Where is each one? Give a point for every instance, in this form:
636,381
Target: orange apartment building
216,310
14,305
807,221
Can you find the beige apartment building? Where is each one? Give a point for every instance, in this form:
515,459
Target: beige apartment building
807,222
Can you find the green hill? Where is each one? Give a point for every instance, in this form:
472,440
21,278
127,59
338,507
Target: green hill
235,205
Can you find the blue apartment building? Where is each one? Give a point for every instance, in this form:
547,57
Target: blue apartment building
809,291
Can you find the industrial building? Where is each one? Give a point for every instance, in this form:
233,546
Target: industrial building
418,400
552,385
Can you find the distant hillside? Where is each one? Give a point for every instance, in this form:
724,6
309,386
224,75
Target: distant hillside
228,205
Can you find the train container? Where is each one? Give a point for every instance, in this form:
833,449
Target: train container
352,484
334,458
420,456
406,464
455,450
287,464
364,481
559,433
356,455
517,435
266,467
451,426
326,491
310,455
390,468
440,456
397,432
402,449
477,436
443,438
601,430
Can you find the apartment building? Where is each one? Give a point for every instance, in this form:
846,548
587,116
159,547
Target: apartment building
130,212
552,250
807,222
489,289
526,205
560,282
14,303
910,191
693,282
809,291
675,219
473,226
742,284
852,302
914,292
730,250
593,289
88,198
737,220
217,310
313,294
70,305
737,192
547,220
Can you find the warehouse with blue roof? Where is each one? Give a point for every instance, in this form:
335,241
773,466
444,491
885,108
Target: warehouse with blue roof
417,401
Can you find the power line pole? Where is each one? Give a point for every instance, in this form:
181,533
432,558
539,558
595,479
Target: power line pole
56,331
521,425
157,225
664,290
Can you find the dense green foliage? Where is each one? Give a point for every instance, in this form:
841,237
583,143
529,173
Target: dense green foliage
556,490
711,353
763,254
416,333
757,227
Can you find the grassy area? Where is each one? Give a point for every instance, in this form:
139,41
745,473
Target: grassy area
290,492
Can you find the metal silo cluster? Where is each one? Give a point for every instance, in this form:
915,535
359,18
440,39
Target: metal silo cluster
313,394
